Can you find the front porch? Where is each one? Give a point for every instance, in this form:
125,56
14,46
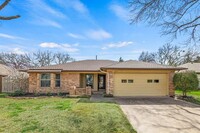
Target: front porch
97,81
90,83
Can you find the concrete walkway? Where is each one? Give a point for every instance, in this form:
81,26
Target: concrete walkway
161,115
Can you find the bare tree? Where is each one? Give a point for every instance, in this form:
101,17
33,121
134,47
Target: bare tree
197,60
176,17
190,55
36,59
171,55
15,60
43,58
147,57
61,58
3,5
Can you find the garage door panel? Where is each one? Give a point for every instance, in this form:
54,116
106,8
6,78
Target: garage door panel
140,87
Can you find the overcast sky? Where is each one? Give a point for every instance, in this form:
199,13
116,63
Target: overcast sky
82,28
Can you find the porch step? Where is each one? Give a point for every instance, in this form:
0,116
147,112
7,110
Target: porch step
98,92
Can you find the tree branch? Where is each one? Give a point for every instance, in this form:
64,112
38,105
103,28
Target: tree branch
9,18
4,4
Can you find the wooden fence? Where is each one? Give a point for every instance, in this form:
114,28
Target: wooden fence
15,81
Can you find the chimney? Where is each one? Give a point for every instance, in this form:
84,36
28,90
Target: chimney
96,57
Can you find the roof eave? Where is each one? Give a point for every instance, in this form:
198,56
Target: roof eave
59,70
145,68
44,70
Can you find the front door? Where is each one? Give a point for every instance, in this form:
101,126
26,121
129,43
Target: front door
101,81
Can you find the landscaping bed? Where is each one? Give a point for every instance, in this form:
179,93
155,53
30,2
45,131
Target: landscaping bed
193,96
54,114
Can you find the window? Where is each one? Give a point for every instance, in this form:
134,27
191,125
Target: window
130,81
45,80
149,81
89,80
156,81
57,80
124,81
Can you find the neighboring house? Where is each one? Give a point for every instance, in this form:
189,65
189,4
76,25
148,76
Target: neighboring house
193,67
12,80
4,71
129,78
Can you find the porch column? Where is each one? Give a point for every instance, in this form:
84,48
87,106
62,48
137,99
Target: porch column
171,84
110,82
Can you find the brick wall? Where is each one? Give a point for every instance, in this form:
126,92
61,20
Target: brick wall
171,84
110,82
67,80
80,91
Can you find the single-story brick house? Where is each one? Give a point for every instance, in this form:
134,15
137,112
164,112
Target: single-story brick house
129,78
193,67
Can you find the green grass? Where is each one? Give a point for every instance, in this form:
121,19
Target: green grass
3,95
194,94
64,115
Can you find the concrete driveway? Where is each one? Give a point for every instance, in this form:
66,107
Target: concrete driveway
161,115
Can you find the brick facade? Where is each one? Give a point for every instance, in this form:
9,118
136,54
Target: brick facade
73,79
171,84
109,82
67,80
80,91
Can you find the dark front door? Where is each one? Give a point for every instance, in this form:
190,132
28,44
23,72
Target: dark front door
101,81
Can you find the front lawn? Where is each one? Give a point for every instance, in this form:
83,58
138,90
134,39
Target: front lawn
194,94
51,115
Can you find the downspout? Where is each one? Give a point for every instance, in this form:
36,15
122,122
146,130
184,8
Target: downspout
108,78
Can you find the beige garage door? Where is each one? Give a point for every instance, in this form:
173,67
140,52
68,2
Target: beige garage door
140,85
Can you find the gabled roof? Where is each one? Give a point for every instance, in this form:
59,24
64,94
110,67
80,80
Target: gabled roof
97,65
192,67
5,70
84,65
133,64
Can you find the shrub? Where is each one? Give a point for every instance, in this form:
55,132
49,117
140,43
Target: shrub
36,94
186,81
49,94
17,93
61,94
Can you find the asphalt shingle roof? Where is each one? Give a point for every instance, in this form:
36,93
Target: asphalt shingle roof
97,65
192,66
133,64
84,65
